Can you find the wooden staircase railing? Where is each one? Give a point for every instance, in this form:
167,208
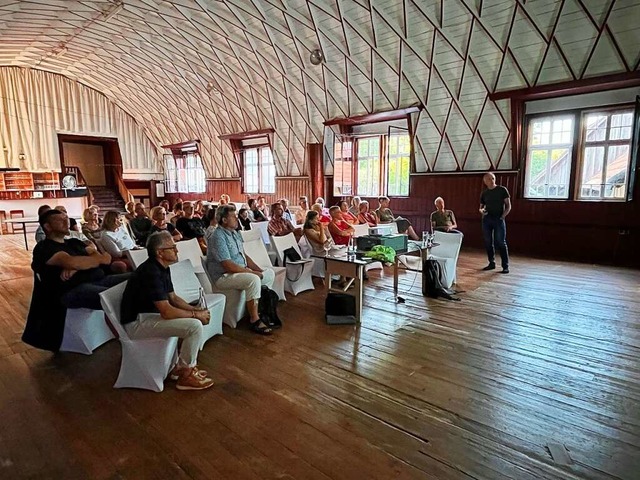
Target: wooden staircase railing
124,192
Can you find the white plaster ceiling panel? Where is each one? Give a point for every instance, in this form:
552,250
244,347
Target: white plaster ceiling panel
201,68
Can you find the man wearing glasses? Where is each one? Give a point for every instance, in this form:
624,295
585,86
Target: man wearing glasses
231,269
151,308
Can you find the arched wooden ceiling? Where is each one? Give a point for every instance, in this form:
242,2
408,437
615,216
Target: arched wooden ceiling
197,69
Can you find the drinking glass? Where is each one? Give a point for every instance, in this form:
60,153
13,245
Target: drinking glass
425,238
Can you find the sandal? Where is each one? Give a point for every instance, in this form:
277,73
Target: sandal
261,330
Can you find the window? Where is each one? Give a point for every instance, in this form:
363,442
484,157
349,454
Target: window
184,173
598,141
606,155
549,157
398,168
368,166
259,170
381,165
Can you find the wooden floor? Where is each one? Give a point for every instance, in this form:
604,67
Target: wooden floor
548,355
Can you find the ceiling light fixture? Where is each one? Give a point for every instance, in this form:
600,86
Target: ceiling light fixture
115,8
316,57
211,87
60,50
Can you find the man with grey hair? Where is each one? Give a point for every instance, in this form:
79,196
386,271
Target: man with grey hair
495,205
443,220
151,308
230,268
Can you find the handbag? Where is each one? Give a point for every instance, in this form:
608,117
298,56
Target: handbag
292,255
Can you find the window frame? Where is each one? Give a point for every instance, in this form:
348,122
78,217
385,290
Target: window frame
609,111
577,152
384,162
260,149
189,175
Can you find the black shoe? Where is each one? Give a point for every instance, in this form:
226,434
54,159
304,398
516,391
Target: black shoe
491,266
505,270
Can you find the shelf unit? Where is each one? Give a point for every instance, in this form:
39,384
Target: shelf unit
22,185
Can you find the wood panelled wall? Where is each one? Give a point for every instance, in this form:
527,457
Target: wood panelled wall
582,231
286,187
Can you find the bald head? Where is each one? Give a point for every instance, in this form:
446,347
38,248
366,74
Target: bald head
489,180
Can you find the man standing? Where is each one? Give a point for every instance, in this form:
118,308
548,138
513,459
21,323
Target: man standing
151,308
495,205
230,269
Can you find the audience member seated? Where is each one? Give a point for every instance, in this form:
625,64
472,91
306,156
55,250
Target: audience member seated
230,268
151,308
320,240
96,209
243,219
115,239
301,214
191,227
355,206
224,199
323,205
74,230
130,209
280,226
254,213
141,225
317,234
40,235
340,230
69,266
324,219
70,276
160,224
213,223
177,212
166,205
346,214
263,208
385,216
443,220
365,216
91,227
198,209
286,212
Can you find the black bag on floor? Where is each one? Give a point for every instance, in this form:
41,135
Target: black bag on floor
340,309
268,307
432,278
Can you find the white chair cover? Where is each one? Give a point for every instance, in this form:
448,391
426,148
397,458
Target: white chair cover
187,286
137,257
235,307
446,253
263,228
257,251
84,331
146,362
190,250
300,279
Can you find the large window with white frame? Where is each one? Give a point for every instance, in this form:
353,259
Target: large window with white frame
606,154
184,173
372,165
259,170
582,154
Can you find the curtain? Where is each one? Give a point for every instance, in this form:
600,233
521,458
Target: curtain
35,106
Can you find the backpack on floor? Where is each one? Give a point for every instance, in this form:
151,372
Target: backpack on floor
432,278
340,309
268,307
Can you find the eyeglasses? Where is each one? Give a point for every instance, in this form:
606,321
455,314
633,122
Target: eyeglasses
174,248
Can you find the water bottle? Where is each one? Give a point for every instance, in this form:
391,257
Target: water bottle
351,247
